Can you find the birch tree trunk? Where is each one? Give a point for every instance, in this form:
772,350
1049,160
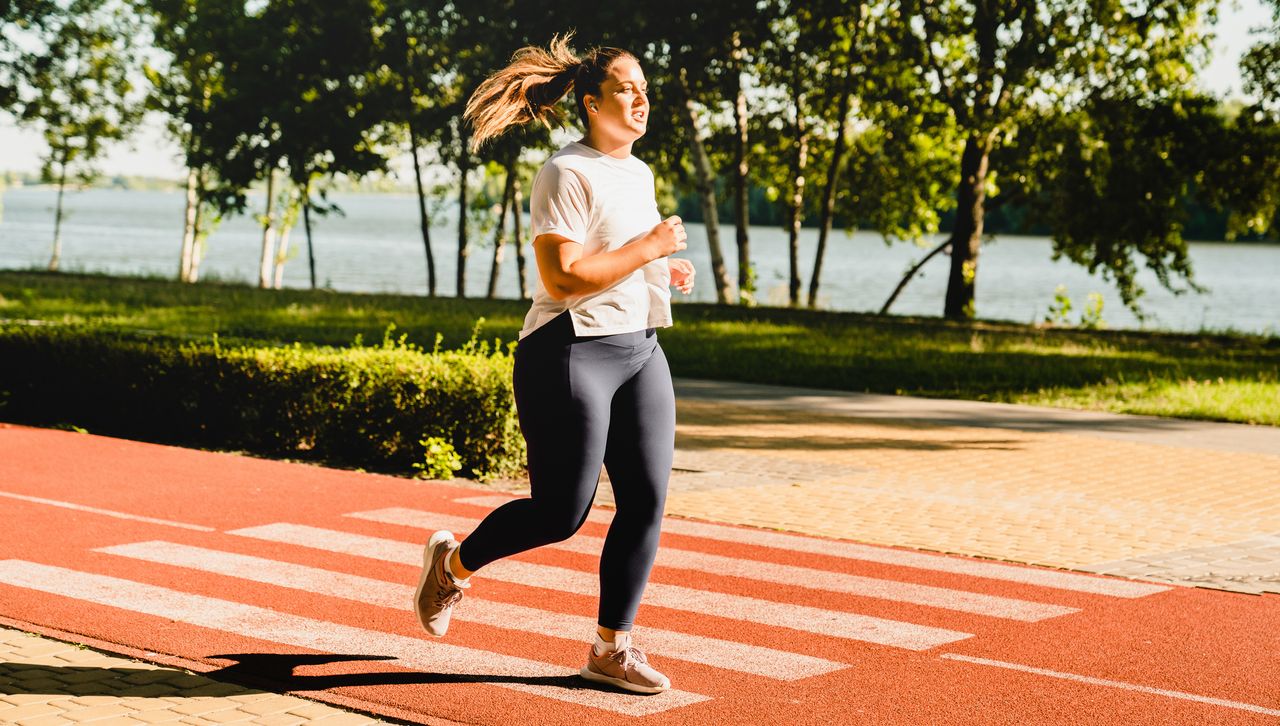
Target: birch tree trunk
424,219
517,233
288,220
796,205
56,258
197,244
500,237
188,228
267,261
706,191
282,254
829,194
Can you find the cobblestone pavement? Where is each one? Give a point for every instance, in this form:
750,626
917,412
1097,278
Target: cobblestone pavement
46,682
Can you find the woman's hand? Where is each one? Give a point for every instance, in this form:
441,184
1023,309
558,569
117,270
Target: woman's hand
667,238
682,273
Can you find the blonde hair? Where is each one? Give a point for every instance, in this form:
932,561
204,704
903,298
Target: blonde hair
530,87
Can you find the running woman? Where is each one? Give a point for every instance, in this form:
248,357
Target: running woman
591,383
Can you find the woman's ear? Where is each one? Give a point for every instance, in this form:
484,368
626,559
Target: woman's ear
590,102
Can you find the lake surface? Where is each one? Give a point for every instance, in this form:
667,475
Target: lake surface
377,247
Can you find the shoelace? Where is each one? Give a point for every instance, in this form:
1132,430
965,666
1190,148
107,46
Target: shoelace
448,597
627,657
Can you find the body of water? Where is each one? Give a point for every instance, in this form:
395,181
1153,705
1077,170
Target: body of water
376,247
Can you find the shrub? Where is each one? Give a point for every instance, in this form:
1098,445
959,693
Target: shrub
364,406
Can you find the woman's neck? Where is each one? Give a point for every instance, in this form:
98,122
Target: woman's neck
607,146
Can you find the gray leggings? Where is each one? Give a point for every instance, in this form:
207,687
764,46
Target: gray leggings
583,401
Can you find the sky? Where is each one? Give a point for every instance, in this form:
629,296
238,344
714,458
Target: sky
152,153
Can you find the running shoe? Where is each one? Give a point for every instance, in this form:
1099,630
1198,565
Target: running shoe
626,667
437,591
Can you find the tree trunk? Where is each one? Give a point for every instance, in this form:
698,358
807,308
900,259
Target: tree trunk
306,223
742,208
517,232
500,237
966,235
706,192
197,241
464,168
188,228
424,220
902,284
796,205
282,254
267,261
56,258
829,194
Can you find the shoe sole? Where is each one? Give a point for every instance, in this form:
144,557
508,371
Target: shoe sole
591,675
427,562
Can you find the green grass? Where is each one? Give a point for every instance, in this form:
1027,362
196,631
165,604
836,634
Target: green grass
1203,376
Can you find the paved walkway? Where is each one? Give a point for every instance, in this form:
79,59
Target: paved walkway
50,682
1175,501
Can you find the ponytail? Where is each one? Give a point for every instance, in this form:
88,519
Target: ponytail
531,86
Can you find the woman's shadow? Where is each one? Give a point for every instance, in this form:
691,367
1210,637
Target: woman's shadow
278,671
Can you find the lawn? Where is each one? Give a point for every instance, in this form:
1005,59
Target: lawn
1208,376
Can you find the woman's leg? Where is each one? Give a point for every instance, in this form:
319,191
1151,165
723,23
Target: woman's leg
563,394
638,455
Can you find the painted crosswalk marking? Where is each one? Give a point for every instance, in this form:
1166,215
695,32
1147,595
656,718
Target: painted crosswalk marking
303,632
791,577
724,654
1056,579
833,623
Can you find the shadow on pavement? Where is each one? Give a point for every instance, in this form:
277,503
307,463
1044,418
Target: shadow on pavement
276,672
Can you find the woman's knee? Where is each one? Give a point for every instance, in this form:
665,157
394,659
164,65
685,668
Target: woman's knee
561,523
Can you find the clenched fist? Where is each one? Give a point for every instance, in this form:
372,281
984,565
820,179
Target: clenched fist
667,237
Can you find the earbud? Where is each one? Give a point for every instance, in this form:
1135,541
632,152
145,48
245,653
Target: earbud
593,107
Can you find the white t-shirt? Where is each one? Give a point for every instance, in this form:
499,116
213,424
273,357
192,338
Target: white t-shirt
603,203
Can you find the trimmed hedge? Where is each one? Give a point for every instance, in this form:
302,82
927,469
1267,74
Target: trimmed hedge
366,406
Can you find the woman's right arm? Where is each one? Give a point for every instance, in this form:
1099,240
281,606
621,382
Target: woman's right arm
566,273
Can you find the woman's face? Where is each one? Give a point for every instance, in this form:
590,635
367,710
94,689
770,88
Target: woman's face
621,109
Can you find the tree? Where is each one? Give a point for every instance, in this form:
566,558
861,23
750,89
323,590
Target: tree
80,96
1249,181
24,22
197,39
414,53
299,94
999,65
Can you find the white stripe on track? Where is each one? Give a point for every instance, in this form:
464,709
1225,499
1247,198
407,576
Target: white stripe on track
727,655
106,512
1056,579
1115,684
798,577
270,625
834,623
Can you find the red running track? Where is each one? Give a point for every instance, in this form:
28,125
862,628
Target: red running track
297,578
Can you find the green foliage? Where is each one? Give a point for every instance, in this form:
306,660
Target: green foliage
1060,308
840,351
441,460
79,92
359,406
1091,316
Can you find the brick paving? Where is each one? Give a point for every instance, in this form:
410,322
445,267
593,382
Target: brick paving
46,682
